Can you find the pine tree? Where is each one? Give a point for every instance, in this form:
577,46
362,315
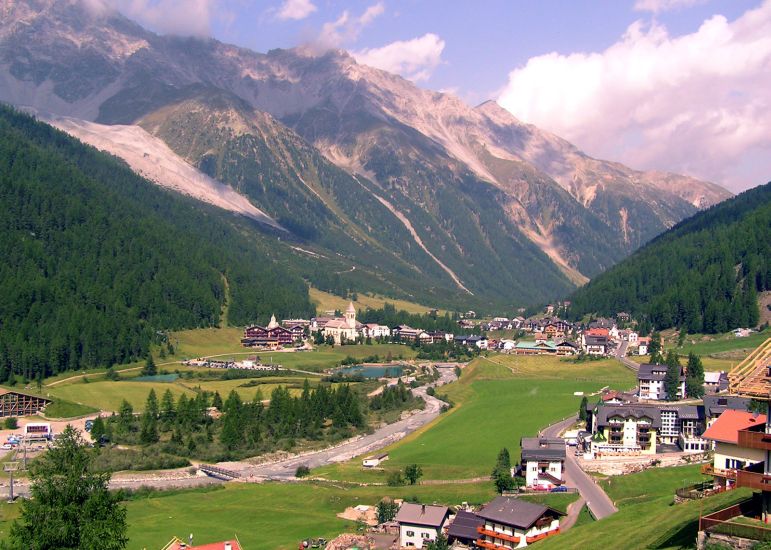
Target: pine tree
672,377
149,369
694,381
149,431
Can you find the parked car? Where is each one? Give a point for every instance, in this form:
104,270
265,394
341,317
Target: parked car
559,489
7,446
89,425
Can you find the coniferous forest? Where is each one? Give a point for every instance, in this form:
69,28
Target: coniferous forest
703,275
97,260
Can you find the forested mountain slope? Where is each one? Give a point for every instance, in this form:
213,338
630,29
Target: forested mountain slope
97,259
702,275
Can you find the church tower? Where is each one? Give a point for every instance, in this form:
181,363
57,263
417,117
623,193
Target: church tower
350,315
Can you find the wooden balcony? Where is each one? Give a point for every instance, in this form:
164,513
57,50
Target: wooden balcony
749,439
495,534
753,480
710,470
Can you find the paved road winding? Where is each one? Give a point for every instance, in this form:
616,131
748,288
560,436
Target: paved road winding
597,500
382,437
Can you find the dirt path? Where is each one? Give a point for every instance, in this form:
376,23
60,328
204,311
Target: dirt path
574,510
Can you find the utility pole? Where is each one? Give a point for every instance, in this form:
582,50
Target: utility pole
10,467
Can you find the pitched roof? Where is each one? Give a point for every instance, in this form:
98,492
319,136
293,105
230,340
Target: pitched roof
464,526
629,410
515,512
715,405
422,514
542,448
726,427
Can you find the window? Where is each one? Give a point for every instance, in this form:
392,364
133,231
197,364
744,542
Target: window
425,535
410,533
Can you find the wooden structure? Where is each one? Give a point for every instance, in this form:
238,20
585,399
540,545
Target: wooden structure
750,378
13,403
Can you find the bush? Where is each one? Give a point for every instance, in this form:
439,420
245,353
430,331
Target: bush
395,479
302,471
11,423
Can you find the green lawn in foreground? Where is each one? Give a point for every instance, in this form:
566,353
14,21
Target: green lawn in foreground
279,515
647,517
61,408
498,401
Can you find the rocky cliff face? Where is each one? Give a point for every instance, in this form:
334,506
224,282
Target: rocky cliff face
414,181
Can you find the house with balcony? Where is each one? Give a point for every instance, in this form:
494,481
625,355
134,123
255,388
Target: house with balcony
420,524
729,455
625,429
650,382
515,523
743,449
543,461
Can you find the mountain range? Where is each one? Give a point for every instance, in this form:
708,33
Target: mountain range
384,186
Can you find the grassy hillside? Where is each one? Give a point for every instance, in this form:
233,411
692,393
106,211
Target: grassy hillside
703,275
497,401
97,259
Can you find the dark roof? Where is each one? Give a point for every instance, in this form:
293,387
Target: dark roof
715,405
686,412
422,514
627,410
515,512
464,526
651,372
542,448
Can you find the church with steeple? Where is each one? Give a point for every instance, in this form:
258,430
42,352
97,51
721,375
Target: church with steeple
344,328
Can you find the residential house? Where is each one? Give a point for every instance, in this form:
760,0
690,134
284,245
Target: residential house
650,382
373,330
515,523
623,317
594,345
439,336
715,382
624,429
543,461
647,428
420,524
477,341
642,345
507,345
730,456
566,347
464,528
715,405
409,334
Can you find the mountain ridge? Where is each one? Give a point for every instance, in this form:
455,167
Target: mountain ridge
478,189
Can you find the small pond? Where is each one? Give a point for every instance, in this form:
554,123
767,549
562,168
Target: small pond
373,371
157,378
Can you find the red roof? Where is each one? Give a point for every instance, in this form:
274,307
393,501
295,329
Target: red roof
726,427
598,332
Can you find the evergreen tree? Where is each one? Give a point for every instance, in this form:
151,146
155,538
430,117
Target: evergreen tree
672,377
71,506
98,430
167,410
582,409
149,369
149,431
386,510
440,543
501,475
694,381
125,417
216,401
655,349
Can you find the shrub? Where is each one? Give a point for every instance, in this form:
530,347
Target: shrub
302,471
10,423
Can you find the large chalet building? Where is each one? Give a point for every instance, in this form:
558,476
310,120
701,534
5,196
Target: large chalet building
273,335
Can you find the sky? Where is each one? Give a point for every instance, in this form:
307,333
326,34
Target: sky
676,85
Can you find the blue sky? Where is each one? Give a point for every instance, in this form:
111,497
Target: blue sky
677,85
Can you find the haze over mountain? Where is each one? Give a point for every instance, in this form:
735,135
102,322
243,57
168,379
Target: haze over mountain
402,183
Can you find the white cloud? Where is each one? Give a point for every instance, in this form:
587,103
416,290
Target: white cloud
659,6
181,17
295,9
347,28
414,59
697,103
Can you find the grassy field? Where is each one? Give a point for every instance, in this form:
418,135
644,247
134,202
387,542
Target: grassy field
62,408
718,344
498,401
329,302
276,515
108,396
647,517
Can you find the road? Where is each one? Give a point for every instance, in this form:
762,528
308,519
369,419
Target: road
621,356
382,437
597,500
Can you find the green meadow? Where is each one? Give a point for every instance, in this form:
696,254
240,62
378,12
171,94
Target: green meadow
497,401
647,516
280,515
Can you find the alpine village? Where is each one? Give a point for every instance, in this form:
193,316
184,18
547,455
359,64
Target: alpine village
301,299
